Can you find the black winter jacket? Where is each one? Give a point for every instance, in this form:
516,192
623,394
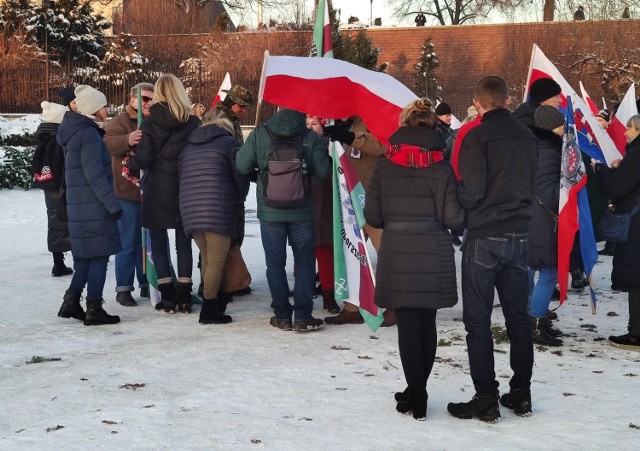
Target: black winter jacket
524,113
622,186
210,187
414,206
497,165
543,228
160,205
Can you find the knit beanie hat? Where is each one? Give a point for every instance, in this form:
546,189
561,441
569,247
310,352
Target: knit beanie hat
53,112
442,109
89,100
548,117
66,95
543,89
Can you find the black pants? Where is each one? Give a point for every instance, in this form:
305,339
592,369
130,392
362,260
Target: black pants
417,340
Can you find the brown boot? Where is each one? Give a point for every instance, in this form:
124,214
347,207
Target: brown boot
389,318
329,302
345,317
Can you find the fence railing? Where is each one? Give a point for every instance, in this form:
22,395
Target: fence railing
24,86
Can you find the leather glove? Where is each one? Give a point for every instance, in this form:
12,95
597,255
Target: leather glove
116,215
336,133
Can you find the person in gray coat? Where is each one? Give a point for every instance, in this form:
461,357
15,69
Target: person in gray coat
92,207
412,196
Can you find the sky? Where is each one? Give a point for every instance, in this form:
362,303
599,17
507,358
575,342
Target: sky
158,381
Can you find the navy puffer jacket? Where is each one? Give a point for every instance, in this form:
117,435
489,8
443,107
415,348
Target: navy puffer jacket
90,196
210,186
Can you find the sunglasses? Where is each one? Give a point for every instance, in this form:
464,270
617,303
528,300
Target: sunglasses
146,99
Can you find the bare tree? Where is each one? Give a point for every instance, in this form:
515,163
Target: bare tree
451,12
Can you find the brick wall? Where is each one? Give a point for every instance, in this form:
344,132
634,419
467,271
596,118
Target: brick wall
468,52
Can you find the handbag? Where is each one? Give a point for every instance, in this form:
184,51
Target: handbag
235,276
615,226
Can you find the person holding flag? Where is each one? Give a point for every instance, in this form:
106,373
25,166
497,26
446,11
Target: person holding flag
412,196
621,183
543,228
543,91
122,137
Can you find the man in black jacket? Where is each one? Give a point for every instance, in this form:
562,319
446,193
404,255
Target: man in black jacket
497,165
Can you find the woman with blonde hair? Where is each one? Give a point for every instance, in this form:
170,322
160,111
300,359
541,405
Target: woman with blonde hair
412,196
164,136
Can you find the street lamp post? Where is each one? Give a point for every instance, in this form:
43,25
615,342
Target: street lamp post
371,13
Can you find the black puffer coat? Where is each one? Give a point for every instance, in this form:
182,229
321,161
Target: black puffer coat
210,186
160,205
57,231
543,230
414,206
622,186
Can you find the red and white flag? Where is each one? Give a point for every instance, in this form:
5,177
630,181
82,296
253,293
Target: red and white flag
588,100
618,124
593,139
222,92
327,87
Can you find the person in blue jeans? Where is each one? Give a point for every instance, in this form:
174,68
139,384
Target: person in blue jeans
543,228
122,137
92,206
277,225
496,163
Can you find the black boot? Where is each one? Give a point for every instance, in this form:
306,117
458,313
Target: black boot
578,280
551,331
71,307
329,302
609,248
415,403
59,269
184,296
96,316
212,312
484,408
540,333
519,401
167,297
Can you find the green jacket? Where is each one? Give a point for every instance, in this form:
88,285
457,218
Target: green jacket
253,154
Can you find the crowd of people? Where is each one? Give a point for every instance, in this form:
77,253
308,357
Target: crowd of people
163,165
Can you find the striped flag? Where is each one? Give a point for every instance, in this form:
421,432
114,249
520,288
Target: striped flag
593,140
353,273
618,125
588,100
321,45
340,89
574,213
222,92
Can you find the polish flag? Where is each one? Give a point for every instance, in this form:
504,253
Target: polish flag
332,88
222,94
618,124
588,100
593,140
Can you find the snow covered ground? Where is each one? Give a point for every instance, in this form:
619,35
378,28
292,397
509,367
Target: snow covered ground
164,381
158,381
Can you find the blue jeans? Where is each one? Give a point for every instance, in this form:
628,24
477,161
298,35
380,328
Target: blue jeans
129,259
161,256
91,272
498,263
543,291
274,241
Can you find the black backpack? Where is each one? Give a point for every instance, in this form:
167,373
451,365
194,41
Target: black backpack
48,162
286,180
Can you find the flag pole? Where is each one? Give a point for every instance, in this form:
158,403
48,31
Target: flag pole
143,231
263,78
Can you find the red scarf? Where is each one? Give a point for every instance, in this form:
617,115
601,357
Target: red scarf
413,156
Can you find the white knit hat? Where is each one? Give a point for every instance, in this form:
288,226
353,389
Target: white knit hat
89,100
53,112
